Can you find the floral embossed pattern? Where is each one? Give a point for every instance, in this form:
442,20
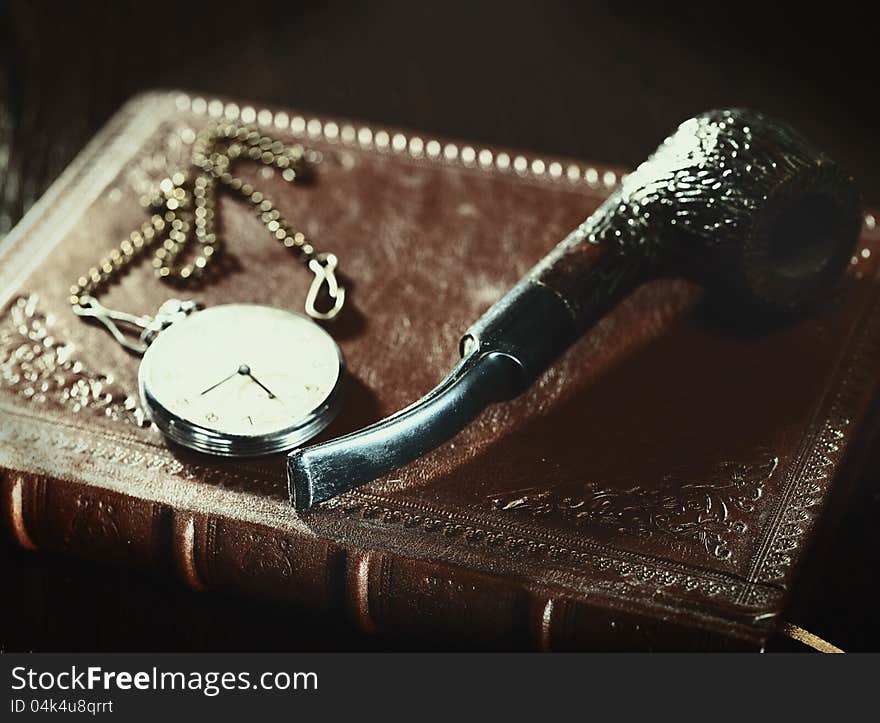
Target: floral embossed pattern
708,512
39,367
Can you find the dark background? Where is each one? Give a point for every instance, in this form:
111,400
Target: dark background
603,81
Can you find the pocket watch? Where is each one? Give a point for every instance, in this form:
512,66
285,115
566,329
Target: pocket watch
241,380
237,379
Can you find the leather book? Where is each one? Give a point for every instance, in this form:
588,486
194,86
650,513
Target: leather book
656,489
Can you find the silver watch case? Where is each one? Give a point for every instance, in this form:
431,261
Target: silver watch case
202,438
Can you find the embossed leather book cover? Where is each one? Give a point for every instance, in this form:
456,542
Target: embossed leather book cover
656,489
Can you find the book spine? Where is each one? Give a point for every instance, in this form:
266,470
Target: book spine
383,592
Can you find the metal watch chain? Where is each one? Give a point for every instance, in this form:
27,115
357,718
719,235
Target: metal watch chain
182,208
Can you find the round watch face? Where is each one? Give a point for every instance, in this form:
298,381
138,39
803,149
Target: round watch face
242,380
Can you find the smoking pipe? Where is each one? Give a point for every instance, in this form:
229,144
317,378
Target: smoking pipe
734,200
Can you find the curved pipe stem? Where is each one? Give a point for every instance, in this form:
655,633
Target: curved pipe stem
323,471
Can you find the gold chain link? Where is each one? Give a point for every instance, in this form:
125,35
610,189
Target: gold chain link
183,208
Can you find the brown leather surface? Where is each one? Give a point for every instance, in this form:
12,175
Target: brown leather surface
665,469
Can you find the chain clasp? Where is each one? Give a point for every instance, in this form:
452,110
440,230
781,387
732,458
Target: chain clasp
323,266
89,306
118,322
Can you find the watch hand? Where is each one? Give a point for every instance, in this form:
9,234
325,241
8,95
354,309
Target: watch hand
262,386
225,379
